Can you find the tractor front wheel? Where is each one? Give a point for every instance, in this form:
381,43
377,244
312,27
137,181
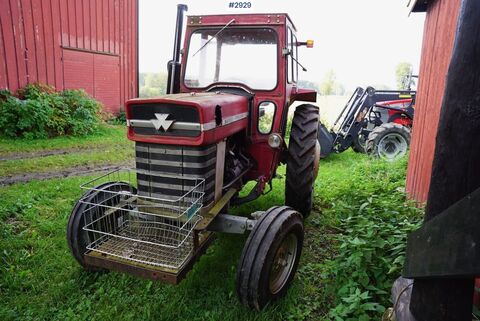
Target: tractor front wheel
270,257
389,141
359,144
303,159
85,211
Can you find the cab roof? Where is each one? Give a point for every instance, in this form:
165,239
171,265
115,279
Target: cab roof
241,19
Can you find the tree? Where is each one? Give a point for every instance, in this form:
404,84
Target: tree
153,84
308,84
327,86
339,89
403,74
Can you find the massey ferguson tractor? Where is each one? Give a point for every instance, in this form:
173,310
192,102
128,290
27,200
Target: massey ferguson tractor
221,125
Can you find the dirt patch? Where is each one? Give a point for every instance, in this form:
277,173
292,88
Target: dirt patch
51,152
68,172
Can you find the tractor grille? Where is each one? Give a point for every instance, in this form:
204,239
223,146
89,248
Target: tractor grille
175,162
186,119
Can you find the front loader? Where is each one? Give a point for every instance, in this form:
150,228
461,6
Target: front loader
221,125
377,122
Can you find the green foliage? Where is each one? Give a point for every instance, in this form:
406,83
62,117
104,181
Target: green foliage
330,86
38,111
373,222
153,84
121,119
308,85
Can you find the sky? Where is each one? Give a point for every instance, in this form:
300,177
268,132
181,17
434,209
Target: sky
362,41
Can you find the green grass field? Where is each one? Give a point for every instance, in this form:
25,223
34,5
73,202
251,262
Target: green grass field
354,249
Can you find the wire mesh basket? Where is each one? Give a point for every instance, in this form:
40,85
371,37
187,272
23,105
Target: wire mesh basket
148,230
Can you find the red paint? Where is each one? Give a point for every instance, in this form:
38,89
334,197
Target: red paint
399,104
438,38
205,104
283,95
35,33
78,70
305,95
107,80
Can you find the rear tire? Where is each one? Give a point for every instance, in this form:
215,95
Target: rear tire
77,238
270,257
389,141
302,157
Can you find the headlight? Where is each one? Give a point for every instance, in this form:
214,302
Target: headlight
275,140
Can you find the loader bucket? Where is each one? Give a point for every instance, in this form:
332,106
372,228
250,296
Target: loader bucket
325,139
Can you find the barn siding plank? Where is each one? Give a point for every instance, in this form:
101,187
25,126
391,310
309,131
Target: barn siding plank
3,59
117,27
86,24
439,33
99,15
93,24
72,24
23,69
9,45
57,42
111,26
79,23
49,37
39,41
105,21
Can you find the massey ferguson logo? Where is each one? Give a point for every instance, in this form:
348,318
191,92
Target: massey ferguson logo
162,122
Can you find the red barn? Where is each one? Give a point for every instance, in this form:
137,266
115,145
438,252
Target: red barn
89,44
438,39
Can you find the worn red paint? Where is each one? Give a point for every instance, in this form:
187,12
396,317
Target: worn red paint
89,44
438,38
205,104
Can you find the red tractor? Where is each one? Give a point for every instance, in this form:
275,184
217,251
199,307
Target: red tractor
377,122
221,125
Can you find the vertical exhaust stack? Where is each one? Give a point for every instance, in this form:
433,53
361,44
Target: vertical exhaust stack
174,67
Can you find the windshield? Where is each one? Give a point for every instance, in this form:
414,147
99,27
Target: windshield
236,55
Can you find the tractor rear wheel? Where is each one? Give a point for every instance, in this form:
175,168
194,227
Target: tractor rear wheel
78,238
303,158
270,257
389,141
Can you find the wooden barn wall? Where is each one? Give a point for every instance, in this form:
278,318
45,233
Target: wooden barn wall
438,39
48,40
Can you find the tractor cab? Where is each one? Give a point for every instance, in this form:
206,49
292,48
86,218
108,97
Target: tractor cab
255,55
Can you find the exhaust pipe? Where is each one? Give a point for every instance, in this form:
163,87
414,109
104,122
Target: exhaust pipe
173,66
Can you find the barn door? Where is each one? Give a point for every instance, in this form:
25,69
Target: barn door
97,74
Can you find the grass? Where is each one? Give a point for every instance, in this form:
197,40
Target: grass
109,145
39,279
106,135
107,155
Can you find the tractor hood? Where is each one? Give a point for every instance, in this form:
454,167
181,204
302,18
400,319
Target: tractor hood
186,118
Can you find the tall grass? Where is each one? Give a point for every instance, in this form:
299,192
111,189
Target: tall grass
355,239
